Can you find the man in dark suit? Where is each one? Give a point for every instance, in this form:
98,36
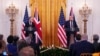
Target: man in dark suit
71,29
96,44
31,39
80,47
30,27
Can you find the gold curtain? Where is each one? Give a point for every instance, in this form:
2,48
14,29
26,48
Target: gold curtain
49,11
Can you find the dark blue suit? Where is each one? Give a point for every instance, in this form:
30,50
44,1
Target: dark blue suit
33,43
69,31
81,47
96,46
27,25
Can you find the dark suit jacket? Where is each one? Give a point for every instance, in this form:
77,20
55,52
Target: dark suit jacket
67,26
33,43
36,46
27,25
81,47
96,46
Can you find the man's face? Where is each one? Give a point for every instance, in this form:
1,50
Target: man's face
70,18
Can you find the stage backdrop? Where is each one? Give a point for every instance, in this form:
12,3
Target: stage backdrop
49,11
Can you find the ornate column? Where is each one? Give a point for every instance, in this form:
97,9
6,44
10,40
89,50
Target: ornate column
11,11
84,12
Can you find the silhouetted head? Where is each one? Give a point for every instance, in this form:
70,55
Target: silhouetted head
95,37
21,44
78,37
26,51
10,39
16,38
0,45
1,36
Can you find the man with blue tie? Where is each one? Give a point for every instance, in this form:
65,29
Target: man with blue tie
71,29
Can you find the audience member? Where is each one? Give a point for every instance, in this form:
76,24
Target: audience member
71,50
11,48
78,38
15,40
35,45
96,44
26,51
21,44
3,42
81,47
1,51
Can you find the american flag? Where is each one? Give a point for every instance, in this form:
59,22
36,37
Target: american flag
37,23
61,32
26,19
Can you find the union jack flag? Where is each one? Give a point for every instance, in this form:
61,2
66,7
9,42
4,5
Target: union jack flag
37,23
61,32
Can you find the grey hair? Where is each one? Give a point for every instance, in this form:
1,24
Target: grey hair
84,37
96,37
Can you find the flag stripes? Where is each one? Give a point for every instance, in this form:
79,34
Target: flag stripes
26,19
61,32
62,36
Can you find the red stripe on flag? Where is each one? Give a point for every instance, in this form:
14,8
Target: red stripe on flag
61,35
38,27
22,31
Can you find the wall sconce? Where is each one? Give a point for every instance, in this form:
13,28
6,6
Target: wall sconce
85,11
11,11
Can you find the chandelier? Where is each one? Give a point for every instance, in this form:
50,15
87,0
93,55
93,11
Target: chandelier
11,11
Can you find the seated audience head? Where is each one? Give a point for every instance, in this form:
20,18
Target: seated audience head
84,37
26,51
1,45
16,38
21,44
1,36
95,38
10,39
78,37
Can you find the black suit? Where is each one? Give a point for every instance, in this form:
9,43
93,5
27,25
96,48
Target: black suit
30,28
27,26
35,46
69,30
96,46
81,47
